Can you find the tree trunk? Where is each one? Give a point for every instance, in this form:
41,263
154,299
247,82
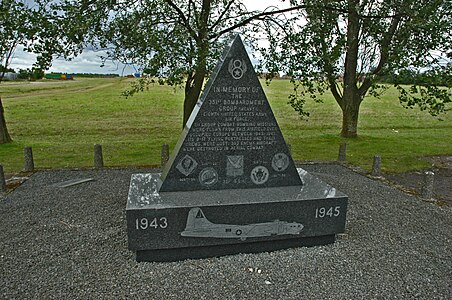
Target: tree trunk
193,87
351,98
192,91
4,135
350,113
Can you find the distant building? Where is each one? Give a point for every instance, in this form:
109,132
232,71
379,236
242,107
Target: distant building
9,76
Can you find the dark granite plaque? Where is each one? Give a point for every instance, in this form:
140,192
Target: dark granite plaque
232,139
246,220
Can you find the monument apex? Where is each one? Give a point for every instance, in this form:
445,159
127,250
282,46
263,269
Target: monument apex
232,139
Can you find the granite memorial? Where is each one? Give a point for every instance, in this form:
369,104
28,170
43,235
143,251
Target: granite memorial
230,185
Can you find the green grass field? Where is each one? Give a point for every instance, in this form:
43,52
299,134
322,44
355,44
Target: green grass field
63,120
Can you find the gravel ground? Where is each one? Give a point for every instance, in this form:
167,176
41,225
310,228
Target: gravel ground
412,182
71,243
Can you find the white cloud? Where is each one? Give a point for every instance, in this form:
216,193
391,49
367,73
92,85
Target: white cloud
90,62
87,62
262,4
22,59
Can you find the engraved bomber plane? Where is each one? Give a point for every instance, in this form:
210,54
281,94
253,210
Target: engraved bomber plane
199,226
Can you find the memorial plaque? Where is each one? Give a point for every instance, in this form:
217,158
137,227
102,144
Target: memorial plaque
178,225
232,139
230,185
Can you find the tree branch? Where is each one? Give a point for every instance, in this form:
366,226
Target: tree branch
8,56
220,17
330,73
255,17
367,83
185,22
335,91
298,7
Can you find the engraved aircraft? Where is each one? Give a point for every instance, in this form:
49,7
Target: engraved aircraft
199,226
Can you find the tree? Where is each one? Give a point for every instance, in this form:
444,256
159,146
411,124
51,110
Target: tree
11,14
31,74
32,28
347,46
176,41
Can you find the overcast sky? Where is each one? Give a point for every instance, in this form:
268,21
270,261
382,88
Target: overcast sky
89,61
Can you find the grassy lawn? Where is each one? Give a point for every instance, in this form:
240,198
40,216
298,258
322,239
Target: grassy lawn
63,120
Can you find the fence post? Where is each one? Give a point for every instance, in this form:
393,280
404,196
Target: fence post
342,156
98,157
2,180
29,164
427,187
376,167
165,155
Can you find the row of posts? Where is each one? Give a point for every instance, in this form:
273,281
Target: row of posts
376,166
427,186
426,192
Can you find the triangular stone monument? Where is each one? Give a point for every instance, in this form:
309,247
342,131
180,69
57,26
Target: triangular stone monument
232,139
230,185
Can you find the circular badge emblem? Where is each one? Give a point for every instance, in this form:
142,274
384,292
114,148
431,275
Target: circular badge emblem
208,176
259,175
237,68
280,162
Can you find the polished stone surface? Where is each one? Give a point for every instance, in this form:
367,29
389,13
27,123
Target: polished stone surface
168,220
144,193
232,139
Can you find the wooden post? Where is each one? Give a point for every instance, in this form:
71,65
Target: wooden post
342,156
98,157
165,155
376,167
2,180
29,164
427,187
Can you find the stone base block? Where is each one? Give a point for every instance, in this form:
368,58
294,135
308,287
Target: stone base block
178,254
173,226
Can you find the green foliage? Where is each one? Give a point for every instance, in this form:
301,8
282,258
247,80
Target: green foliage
165,39
349,46
175,41
37,27
439,76
32,26
3,69
428,90
31,74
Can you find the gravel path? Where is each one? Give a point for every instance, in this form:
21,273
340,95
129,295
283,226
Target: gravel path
71,243
413,181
